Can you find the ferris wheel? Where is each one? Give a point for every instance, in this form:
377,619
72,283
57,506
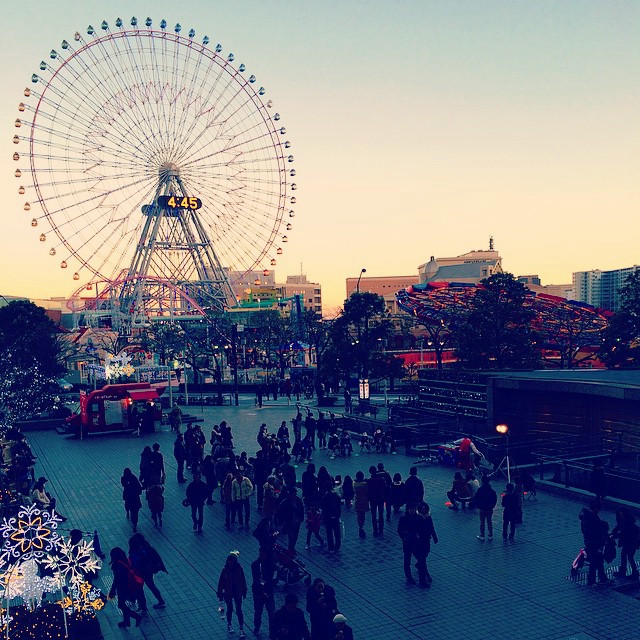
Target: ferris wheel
158,167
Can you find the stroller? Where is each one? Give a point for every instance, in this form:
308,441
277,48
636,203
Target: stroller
289,568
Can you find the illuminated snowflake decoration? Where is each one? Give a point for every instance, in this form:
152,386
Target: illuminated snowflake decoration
82,599
72,562
22,581
29,535
5,618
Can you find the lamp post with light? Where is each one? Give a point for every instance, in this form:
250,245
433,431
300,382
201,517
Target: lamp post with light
359,278
503,430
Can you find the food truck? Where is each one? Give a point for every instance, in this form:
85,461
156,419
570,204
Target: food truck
117,408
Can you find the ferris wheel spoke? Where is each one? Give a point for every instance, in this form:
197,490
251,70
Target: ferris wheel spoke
117,97
78,92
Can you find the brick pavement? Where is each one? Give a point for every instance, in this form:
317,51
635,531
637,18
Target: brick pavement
481,590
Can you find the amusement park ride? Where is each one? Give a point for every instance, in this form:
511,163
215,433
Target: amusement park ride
158,168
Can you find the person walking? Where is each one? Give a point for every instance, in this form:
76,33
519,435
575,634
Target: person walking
127,586
146,562
198,442
410,530
598,481
145,466
262,590
291,516
232,589
361,501
398,493
156,465
261,471
155,500
511,512
595,533
376,490
331,511
341,630
196,495
180,454
226,497
485,500
414,488
241,490
627,533
387,488
426,533
131,492
289,622
347,491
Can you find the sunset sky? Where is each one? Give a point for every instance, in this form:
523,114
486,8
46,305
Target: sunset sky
419,128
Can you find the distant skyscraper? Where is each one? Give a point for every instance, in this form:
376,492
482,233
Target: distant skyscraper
601,288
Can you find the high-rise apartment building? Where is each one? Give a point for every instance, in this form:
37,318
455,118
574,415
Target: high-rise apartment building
601,288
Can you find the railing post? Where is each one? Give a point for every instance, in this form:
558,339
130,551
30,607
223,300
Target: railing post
541,468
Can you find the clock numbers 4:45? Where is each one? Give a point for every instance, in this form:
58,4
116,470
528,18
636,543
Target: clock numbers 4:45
179,202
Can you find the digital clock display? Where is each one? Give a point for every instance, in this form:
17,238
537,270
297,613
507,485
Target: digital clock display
179,202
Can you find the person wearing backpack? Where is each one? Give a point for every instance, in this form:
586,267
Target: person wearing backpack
627,533
146,562
127,585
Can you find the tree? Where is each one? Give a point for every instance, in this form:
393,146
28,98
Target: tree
497,332
316,332
357,336
166,339
31,358
621,340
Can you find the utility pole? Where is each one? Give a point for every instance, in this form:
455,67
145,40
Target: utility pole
234,355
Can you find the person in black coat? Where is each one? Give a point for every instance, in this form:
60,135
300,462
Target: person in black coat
262,586
180,454
595,533
377,489
413,488
331,511
387,491
411,531
310,484
598,481
197,493
261,471
289,622
209,473
146,562
485,501
291,516
123,587
511,514
131,492
426,533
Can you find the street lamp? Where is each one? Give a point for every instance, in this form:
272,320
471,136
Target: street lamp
503,430
359,277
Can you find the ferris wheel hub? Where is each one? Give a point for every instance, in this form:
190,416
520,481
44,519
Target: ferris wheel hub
168,170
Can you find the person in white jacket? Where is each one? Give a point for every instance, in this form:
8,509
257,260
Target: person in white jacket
241,491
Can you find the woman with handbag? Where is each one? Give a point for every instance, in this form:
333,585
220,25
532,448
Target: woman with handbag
127,585
146,562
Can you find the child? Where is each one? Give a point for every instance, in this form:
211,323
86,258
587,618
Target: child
347,491
155,498
314,521
397,493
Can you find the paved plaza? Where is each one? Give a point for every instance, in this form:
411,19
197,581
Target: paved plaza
480,590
